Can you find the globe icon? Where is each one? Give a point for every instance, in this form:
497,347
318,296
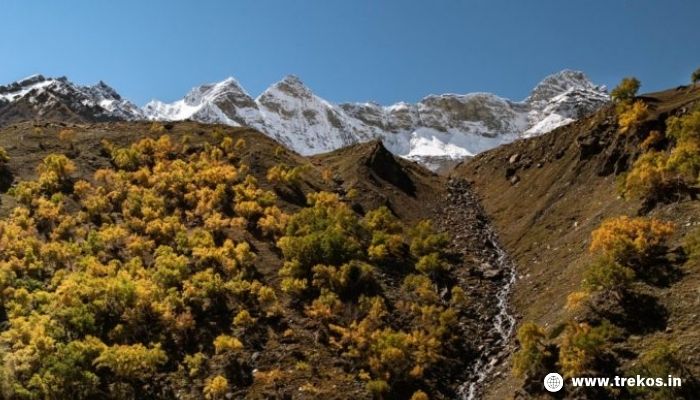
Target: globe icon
553,382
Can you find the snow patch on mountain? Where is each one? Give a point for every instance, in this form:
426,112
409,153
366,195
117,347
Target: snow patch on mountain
100,100
21,88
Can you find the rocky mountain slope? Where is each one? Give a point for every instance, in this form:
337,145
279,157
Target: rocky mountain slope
545,196
40,98
437,129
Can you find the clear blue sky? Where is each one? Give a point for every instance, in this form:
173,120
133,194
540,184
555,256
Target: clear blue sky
349,50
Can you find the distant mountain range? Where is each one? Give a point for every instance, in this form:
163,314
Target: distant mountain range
439,127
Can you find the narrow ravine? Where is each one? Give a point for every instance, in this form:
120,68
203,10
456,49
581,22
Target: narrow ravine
477,242
504,323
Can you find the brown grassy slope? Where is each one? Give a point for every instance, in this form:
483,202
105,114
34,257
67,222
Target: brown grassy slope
379,179
546,194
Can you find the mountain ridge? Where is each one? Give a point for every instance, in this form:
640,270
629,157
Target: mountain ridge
438,127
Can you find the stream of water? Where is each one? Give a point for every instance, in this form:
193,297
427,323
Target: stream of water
503,325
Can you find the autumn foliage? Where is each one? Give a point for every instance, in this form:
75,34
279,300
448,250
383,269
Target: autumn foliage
331,263
529,359
624,247
658,173
630,238
144,277
582,346
111,283
626,89
631,114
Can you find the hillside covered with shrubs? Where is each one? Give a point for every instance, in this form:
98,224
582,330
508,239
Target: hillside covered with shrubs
190,261
603,225
173,265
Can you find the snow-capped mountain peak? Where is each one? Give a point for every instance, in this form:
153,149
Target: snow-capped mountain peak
16,90
221,102
441,126
58,98
291,85
562,98
106,91
290,106
213,91
560,83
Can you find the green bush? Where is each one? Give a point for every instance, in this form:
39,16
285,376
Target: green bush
378,388
655,173
327,233
285,175
132,362
349,280
626,89
428,247
684,128
127,159
68,373
607,274
661,359
54,172
387,239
